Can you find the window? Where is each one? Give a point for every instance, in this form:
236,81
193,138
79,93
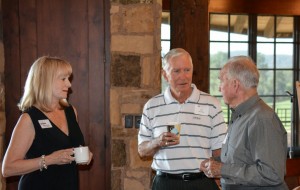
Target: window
165,40
269,40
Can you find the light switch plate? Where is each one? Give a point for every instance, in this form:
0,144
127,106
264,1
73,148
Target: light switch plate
128,121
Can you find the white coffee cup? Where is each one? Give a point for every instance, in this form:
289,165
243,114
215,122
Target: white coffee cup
81,154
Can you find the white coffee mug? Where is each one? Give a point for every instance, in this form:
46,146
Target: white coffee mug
81,154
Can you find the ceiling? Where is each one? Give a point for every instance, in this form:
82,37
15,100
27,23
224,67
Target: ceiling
239,24
265,25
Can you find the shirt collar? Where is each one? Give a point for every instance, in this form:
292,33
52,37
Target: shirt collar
245,106
170,99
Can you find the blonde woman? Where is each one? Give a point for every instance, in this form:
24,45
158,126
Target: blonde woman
41,146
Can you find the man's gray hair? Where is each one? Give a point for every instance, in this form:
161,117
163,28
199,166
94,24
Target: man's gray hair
243,68
174,53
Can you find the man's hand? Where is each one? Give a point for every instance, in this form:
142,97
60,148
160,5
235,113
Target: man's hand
168,139
149,148
211,168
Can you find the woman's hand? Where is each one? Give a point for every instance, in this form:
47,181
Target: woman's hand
60,157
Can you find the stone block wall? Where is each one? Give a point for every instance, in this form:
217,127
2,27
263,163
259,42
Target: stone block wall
135,77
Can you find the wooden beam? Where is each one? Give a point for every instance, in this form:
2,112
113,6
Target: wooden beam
239,24
185,14
269,28
166,5
289,7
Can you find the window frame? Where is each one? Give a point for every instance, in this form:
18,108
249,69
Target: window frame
252,43
269,7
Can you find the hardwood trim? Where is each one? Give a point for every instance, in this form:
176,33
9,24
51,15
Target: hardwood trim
107,61
279,7
292,177
292,167
99,119
166,5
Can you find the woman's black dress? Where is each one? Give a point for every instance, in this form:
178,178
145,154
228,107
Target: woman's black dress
49,138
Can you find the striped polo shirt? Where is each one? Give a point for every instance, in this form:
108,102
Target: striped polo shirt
202,129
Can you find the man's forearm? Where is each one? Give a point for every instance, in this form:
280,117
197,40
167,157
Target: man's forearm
149,148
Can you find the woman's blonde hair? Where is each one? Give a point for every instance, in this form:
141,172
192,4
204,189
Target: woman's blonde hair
39,82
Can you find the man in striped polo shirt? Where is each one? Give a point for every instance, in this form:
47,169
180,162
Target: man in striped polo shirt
177,158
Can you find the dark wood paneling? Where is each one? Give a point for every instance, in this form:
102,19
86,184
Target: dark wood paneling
12,82
107,84
292,167
292,176
166,5
189,30
12,63
28,36
99,56
78,31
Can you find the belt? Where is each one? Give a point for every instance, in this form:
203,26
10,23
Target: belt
182,176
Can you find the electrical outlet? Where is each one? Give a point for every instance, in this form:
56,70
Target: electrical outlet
137,120
128,121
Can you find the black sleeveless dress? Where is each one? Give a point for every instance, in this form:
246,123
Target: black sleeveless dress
47,140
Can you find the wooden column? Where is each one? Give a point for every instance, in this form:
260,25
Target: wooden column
190,30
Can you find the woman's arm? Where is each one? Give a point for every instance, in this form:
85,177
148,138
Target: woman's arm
14,162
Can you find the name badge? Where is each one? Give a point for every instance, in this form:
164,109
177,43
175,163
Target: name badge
45,123
201,110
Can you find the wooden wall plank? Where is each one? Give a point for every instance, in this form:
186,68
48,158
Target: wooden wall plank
99,106
106,111
12,79
28,36
12,58
77,31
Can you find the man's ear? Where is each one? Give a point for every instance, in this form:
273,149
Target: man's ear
164,74
236,84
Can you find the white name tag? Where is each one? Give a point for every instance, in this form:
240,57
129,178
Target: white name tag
45,123
201,110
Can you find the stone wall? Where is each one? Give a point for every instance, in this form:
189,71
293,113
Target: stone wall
135,77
